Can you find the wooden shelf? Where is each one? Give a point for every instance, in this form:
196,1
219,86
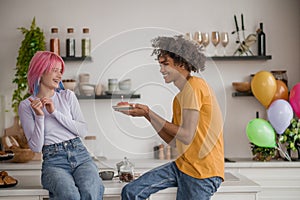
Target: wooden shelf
77,58
113,96
242,94
268,57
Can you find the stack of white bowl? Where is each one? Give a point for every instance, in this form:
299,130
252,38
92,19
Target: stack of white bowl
85,88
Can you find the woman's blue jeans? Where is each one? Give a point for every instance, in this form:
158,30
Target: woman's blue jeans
169,175
68,172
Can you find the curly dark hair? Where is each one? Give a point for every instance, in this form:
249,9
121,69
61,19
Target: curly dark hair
182,51
177,59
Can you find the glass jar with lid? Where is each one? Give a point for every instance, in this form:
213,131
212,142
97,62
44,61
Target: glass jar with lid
85,43
126,173
70,43
54,41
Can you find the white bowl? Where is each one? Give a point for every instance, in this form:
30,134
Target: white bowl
84,78
125,84
69,84
87,89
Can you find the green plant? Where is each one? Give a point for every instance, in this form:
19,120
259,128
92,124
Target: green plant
291,136
34,41
262,153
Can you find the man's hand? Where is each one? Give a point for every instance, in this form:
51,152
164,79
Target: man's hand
137,110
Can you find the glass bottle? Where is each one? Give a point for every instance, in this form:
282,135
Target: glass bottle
54,41
85,43
126,173
261,40
70,43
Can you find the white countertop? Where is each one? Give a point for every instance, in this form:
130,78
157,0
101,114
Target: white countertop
142,164
30,185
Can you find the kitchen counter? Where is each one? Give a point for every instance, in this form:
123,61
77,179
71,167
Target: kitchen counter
272,180
151,163
30,185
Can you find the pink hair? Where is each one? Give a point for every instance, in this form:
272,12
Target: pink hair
41,62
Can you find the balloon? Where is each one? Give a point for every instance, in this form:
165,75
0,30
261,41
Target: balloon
261,133
282,91
263,86
295,99
280,114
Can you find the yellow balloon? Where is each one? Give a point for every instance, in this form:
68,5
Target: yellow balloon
263,86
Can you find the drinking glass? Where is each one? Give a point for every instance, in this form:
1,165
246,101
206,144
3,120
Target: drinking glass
205,39
198,37
188,36
215,39
224,41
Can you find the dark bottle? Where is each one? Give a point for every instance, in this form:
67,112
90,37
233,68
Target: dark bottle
261,39
54,41
70,43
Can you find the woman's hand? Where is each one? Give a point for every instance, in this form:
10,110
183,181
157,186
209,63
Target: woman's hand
48,103
37,106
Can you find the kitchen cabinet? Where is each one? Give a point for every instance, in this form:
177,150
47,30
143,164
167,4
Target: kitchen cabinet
278,179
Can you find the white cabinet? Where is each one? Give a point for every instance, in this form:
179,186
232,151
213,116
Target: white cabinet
278,179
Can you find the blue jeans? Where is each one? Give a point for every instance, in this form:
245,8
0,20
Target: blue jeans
169,175
68,172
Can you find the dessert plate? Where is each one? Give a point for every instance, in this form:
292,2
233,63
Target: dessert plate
120,108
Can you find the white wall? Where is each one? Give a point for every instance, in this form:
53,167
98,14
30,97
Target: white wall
121,32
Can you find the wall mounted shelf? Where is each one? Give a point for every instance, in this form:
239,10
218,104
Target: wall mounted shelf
242,94
77,58
113,96
224,58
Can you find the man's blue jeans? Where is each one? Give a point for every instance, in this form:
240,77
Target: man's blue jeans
169,175
68,172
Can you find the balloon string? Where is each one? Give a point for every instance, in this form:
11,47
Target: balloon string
284,153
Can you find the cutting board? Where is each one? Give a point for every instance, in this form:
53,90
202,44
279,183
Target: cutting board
17,131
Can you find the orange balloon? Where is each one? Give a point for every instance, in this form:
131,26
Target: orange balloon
282,91
263,86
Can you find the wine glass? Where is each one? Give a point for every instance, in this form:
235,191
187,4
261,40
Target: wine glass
224,41
198,37
205,39
215,39
188,36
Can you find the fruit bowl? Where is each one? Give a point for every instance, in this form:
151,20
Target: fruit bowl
69,84
242,86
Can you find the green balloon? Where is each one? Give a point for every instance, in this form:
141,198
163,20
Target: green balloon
261,133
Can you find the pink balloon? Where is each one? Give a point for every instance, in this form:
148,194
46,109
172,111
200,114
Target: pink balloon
295,99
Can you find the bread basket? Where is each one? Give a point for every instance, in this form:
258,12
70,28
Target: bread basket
22,155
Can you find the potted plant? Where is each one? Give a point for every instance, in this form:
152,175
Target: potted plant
291,137
34,41
262,153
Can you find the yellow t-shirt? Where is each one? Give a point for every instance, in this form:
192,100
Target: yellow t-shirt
204,157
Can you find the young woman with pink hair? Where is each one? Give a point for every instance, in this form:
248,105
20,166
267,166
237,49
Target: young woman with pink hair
53,124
